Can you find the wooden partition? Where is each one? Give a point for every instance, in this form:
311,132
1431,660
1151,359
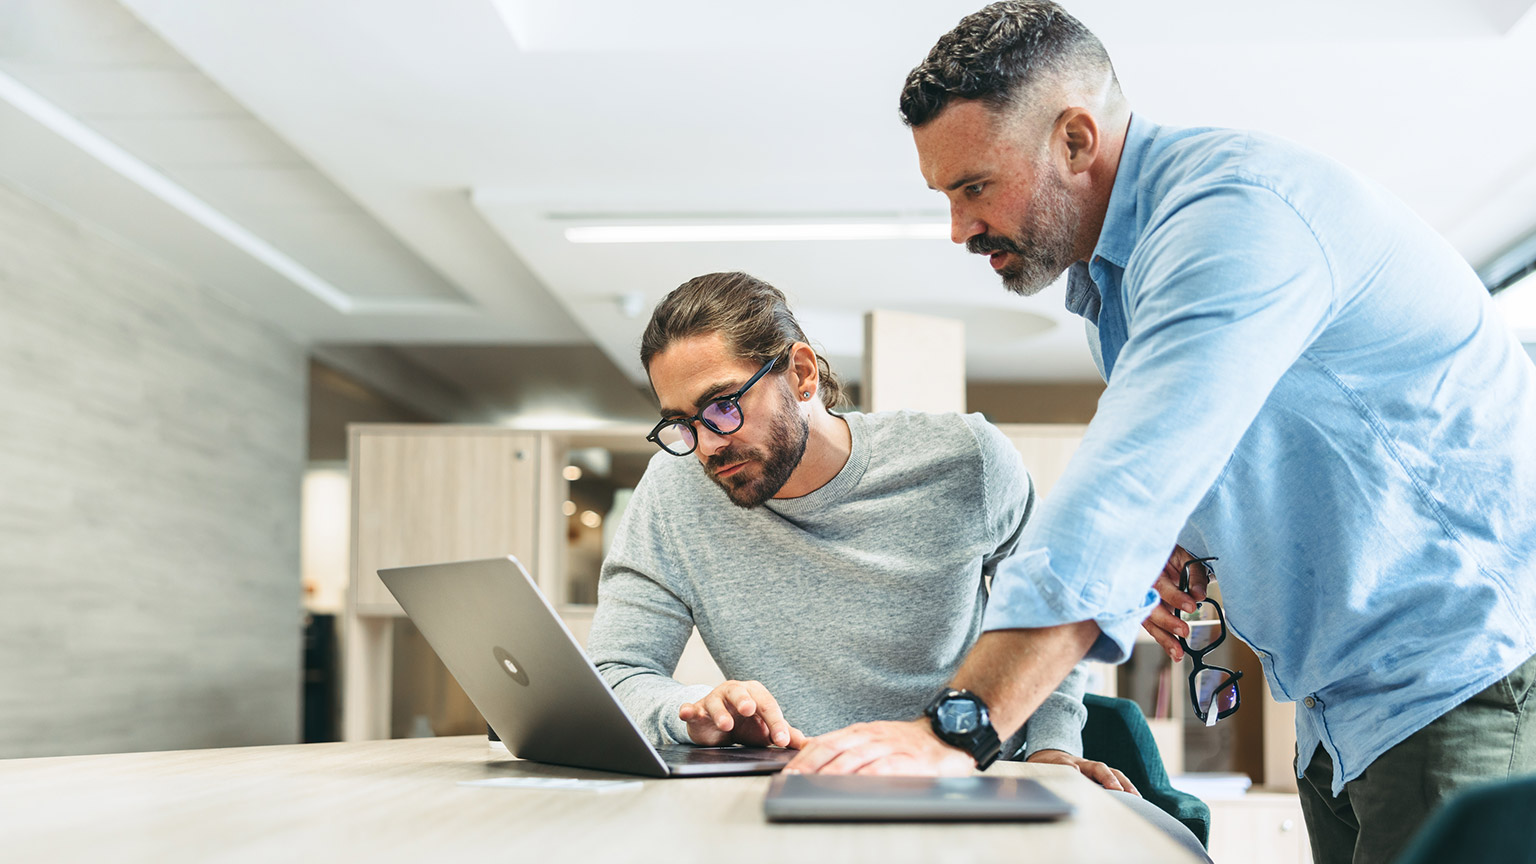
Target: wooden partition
431,493
422,495
915,362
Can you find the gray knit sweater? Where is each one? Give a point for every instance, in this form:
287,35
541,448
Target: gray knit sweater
855,602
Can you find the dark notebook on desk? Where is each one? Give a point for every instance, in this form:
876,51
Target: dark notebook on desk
520,665
858,798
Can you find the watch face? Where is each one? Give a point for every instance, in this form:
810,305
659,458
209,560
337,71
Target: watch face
960,716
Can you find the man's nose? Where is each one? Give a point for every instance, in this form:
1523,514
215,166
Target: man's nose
710,442
963,226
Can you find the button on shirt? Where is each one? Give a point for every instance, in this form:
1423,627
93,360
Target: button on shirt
1308,382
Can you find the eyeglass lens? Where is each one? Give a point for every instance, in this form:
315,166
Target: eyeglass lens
676,438
1215,687
1205,626
724,417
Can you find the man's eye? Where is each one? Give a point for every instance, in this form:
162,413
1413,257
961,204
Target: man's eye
975,189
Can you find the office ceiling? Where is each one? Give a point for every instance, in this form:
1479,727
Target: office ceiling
413,165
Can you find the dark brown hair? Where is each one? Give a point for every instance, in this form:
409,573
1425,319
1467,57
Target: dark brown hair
751,315
998,55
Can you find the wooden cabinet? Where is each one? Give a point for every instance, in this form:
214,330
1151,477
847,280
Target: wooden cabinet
1046,448
430,493
421,495
1259,828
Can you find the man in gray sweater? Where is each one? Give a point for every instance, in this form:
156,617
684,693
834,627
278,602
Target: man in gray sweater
836,566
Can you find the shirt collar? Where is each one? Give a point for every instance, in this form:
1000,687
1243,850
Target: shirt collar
1118,236
1082,294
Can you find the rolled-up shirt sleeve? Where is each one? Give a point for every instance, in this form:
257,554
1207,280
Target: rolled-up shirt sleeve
1223,292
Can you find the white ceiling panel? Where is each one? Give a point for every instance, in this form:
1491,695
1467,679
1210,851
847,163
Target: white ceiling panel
67,32
692,107
199,141
289,188
346,249
127,91
862,27
113,98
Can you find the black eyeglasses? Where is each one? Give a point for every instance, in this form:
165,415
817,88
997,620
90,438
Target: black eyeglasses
722,415
1209,686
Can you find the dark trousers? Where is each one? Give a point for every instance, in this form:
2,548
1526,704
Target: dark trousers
1491,736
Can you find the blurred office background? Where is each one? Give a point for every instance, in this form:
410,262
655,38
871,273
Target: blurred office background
229,229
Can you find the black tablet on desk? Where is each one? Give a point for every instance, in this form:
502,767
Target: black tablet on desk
856,798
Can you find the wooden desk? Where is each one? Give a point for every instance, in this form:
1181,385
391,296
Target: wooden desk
400,800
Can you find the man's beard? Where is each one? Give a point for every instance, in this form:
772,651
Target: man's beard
1043,249
787,435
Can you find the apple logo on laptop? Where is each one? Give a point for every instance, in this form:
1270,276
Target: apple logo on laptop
510,666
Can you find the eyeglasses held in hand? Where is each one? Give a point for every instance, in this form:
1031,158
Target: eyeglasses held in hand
1209,686
722,416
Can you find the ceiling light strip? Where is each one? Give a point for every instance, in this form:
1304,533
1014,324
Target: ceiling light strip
745,233
132,168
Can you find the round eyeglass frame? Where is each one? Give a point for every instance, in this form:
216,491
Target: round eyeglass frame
685,424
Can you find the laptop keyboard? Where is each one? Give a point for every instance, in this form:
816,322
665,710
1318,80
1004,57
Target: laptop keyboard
715,755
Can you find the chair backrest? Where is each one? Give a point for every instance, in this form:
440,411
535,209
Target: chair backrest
1117,734
1485,823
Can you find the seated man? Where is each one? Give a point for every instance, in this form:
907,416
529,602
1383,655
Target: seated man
836,566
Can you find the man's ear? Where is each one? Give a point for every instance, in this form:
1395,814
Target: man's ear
804,376
1080,131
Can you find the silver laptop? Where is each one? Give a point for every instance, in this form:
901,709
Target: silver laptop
857,798
531,681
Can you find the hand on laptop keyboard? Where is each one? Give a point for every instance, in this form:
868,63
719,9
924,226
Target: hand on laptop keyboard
739,712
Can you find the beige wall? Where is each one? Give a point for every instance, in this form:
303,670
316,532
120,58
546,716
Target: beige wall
152,439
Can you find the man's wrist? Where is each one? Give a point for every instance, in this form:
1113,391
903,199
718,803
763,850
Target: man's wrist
960,719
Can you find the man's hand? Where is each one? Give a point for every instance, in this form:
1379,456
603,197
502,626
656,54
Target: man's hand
1164,623
886,747
1098,772
739,712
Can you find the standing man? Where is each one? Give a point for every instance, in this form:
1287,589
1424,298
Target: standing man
1303,380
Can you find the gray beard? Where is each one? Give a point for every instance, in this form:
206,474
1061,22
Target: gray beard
1043,250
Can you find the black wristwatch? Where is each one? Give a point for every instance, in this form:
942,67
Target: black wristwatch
960,719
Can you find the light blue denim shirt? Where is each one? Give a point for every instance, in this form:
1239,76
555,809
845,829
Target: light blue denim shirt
1308,382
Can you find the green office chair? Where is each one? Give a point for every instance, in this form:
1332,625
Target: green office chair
1489,822
1117,734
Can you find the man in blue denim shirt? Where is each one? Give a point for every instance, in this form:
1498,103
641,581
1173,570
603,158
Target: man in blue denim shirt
1303,379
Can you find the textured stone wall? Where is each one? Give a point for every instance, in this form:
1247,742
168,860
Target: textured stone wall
152,440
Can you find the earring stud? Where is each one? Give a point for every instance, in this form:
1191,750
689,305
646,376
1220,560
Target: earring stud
806,395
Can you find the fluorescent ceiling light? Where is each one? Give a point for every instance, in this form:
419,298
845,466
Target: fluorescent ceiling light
555,421
130,167
746,233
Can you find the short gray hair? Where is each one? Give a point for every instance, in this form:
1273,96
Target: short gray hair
1000,56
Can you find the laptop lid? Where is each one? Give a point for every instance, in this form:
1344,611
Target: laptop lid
527,675
861,798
